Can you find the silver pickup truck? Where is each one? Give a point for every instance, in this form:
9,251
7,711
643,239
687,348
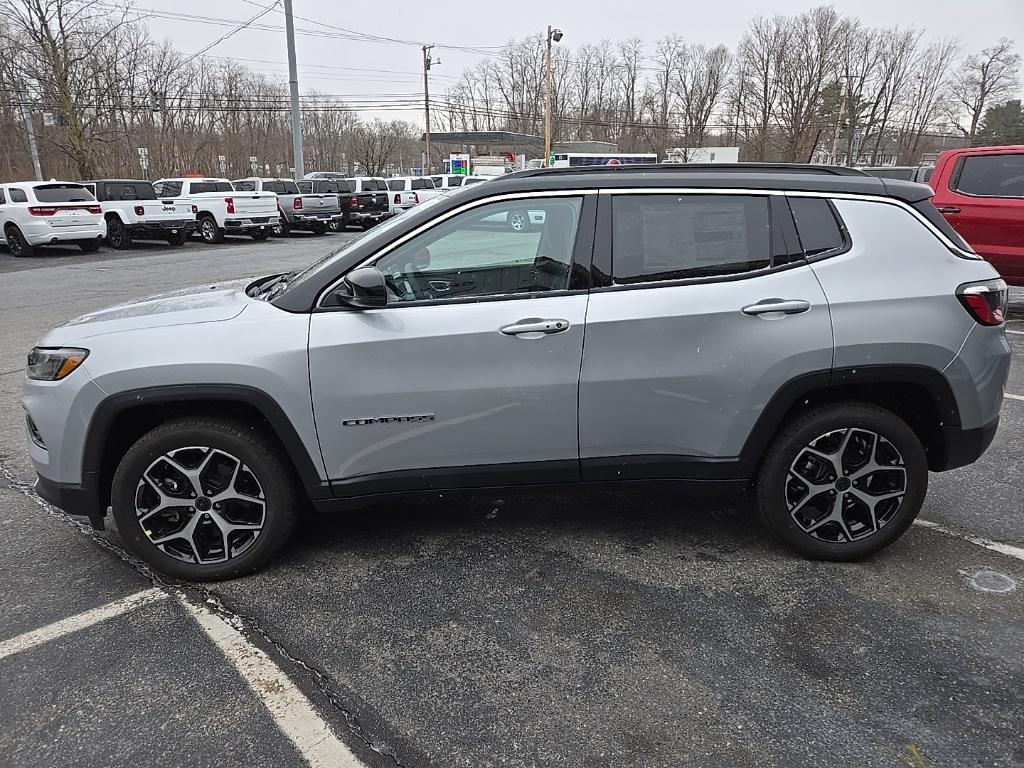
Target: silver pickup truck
313,212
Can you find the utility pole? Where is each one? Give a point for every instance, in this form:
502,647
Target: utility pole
30,129
839,122
427,61
293,85
553,35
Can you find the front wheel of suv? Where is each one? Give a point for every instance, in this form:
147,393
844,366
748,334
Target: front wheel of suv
204,499
842,481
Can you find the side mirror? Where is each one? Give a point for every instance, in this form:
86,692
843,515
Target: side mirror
364,287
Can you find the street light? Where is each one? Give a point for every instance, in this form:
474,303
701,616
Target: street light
556,36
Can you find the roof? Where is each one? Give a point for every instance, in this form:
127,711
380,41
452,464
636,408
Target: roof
114,181
802,178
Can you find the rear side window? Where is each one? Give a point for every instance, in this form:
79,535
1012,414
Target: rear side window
992,176
18,195
816,225
198,187
62,193
926,209
422,184
396,185
167,188
669,237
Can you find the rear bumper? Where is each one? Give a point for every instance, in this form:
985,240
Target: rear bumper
41,234
965,446
247,225
364,216
163,228
80,500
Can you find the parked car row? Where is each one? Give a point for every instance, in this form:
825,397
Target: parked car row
121,211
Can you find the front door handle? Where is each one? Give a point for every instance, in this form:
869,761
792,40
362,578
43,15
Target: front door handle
785,306
948,209
535,327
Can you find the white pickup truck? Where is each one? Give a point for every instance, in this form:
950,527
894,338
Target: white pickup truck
409,191
133,211
313,211
221,210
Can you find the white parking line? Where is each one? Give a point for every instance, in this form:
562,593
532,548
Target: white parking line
1018,333
291,710
79,621
1013,397
996,546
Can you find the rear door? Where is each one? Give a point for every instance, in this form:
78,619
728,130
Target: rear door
469,375
708,309
985,204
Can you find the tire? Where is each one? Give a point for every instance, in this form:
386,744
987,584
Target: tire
17,244
118,236
178,239
336,226
281,229
89,246
259,234
318,229
519,221
810,507
209,231
213,447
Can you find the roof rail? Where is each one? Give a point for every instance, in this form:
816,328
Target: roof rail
830,170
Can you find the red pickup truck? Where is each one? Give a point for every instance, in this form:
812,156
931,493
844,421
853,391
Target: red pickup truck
980,191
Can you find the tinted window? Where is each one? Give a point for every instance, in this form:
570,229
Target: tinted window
926,209
167,188
280,187
926,174
422,184
905,174
469,181
327,187
992,175
240,186
816,225
18,195
375,185
666,237
2,200
198,187
347,185
305,187
136,190
455,181
438,180
62,193
481,253
396,185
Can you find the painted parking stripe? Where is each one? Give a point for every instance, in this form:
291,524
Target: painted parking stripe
1018,333
996,546
291,710
79,621
1013,397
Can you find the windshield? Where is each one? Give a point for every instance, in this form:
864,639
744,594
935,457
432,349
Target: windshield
381,231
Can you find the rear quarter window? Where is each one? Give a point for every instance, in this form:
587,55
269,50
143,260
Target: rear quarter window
18,195
926,209
817,226
62,193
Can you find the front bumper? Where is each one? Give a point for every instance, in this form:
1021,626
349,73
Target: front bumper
74,499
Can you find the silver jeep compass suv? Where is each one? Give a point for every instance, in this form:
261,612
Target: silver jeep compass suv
819,336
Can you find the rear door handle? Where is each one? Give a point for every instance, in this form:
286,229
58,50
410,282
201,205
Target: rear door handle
535,325
785,306
948,209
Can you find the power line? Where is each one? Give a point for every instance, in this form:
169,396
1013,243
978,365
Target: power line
239,28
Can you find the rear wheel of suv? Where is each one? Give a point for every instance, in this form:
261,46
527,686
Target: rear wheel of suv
17,244
204,498
89,246
118,236
209,231
842,481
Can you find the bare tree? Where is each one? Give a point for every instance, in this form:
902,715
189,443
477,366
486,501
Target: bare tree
983,78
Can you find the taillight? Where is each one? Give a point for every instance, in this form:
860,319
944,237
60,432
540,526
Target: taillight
297,206
985,301
93,209
195,209
40,211
230,201
416,198
139,210
398,199
353,202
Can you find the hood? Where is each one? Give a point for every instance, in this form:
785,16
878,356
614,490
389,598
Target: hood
199,304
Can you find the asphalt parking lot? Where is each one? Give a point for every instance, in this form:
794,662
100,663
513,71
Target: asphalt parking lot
607,629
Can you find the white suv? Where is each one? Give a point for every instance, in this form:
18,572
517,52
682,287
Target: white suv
48,213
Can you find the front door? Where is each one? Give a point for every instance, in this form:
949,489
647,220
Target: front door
704,321
469,376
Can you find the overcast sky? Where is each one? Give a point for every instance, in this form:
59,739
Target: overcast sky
356,69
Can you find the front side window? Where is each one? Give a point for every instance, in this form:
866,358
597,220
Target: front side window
992,176
63,193
669,237
509,247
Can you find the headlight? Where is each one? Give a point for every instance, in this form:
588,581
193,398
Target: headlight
54,363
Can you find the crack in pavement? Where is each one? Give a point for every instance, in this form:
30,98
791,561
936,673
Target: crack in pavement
215,603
